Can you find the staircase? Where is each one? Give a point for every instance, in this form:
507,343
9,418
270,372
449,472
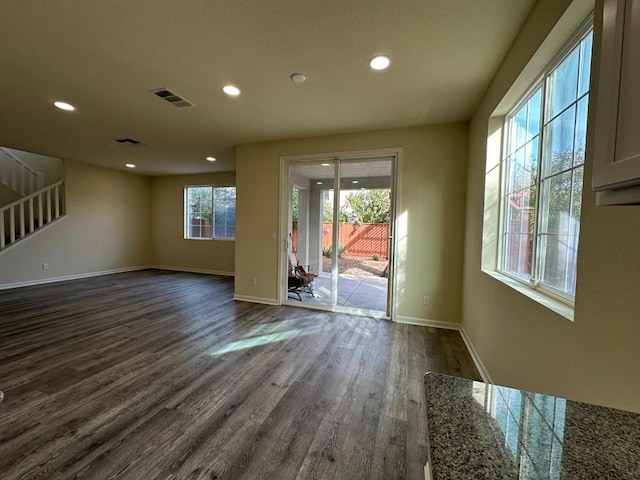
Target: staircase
17,175
36,206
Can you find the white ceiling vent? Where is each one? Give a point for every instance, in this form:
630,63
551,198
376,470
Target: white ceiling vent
172,98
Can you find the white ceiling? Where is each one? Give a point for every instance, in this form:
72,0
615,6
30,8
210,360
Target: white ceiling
104,55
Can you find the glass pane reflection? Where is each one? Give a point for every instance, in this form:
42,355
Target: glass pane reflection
532,426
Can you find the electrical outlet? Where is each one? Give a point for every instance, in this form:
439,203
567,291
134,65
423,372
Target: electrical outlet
45,266
426,300
254,281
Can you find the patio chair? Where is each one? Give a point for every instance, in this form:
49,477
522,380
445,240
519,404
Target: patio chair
300,279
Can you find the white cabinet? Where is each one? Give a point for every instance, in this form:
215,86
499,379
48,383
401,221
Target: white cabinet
616,171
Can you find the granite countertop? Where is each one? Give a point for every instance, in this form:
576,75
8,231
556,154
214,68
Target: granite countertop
478,430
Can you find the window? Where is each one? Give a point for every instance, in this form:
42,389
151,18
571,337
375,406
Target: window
542,175
210,212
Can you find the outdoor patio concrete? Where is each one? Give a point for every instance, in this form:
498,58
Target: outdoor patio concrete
368,293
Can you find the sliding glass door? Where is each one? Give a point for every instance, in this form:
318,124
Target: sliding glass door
339,227
311,210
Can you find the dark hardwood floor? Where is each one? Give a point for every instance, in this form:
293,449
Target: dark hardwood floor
160,375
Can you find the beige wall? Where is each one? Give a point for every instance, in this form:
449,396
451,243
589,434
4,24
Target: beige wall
595,358
107,227
431,210
7,195
170,248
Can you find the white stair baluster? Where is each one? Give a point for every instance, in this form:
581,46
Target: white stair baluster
57,195
22,225
49,205
2,234
40,210
31,215
12,224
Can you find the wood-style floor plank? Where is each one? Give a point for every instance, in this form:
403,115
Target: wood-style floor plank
161,375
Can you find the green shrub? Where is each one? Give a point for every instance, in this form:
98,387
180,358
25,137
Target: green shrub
376,257
328,250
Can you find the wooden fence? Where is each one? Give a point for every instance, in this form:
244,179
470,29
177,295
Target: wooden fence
363,241
200,228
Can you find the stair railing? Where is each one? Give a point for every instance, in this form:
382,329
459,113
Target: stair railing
31,213
17,175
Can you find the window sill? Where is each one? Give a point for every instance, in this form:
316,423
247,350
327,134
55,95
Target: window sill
536,295
210,239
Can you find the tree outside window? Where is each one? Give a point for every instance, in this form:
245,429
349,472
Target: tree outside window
210,212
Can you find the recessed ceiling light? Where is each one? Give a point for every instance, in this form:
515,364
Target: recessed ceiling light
354,181
211,159
64,106
231,90
379,63
325,164
318,183
298,78
130,165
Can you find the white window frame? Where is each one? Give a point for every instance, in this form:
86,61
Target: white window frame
540,83
213,213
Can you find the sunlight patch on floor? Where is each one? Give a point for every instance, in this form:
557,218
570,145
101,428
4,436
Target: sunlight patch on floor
269,338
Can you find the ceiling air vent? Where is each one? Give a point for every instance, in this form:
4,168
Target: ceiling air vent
130,142
171,97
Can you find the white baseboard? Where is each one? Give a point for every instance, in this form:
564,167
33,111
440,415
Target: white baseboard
64,278
484,373
192,270
247,298
424,322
